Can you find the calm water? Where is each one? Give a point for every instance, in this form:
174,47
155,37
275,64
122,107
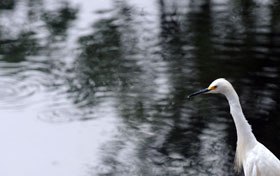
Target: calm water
95,88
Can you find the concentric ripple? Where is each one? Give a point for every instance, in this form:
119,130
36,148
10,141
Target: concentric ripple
19,84
15,93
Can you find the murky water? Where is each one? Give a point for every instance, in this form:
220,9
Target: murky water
99,88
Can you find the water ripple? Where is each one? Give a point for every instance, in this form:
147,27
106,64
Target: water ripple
60,110
19,83
15,93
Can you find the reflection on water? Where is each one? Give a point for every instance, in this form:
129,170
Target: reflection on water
100,88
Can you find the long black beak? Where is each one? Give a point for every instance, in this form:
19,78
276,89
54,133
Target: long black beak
199,92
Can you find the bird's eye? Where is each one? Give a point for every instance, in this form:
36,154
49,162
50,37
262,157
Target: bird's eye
212,87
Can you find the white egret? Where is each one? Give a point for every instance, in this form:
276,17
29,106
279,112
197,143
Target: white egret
255,158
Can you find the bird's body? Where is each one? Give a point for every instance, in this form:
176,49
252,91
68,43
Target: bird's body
259,161
255,158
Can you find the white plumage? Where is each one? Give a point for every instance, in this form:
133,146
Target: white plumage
259,161
254,157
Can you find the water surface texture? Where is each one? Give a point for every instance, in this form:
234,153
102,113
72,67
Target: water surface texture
99,88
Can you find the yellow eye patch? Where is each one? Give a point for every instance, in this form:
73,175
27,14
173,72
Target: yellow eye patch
212,88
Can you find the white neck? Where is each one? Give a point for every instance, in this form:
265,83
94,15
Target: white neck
245,138
244,131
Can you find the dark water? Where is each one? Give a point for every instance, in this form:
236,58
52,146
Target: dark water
99,88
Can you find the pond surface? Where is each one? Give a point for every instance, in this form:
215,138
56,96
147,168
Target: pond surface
95,88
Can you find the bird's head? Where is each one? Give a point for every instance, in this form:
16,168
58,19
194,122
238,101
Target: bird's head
220,85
